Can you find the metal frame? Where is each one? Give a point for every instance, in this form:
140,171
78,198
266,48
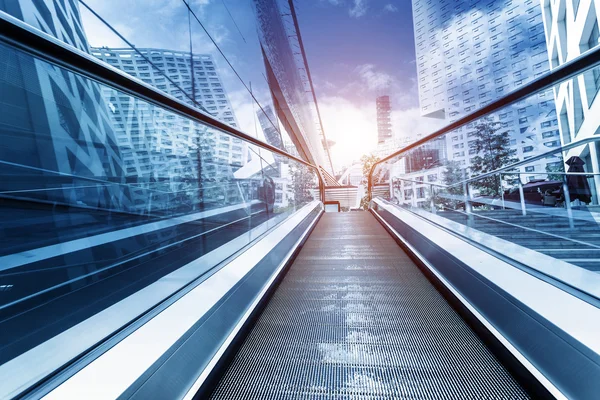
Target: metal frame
558,75
18,34
312,88
569,146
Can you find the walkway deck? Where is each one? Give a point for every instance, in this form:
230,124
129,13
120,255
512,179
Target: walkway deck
355,318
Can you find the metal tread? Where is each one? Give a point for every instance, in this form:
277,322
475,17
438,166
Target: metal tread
354,318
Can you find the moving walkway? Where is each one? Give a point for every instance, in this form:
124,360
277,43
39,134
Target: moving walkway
208,285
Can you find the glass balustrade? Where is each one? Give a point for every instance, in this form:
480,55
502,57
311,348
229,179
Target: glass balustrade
532,181
110,204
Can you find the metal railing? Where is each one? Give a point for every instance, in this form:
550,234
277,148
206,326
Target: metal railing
558,75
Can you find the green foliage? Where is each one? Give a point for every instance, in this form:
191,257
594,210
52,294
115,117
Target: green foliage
303,181
368,161
364,202
452,175
493,152
556,168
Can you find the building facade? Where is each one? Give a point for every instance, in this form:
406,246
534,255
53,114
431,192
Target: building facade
384,123
572,29
54,123
289,80
157,144
469,53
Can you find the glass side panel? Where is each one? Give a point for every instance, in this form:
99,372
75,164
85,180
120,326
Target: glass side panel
175,49
103,195
535,185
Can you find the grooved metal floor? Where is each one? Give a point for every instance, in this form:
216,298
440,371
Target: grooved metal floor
354,318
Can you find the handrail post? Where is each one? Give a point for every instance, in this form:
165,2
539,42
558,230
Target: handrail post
402,194
467,196
522,197
567,196
431,200
370,183
502,192
468,204
321,188
414,194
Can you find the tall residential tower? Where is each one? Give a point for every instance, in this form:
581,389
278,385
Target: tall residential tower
469,53
384,124
156,143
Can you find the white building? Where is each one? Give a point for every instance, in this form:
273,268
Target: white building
571,29
469,53
160,144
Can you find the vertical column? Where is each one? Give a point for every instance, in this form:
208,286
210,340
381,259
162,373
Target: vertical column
522,197
595,171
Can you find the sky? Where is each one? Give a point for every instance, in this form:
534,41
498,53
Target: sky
356,50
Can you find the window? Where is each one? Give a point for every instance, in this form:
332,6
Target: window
527,149
523,120
530,169
553,165
554,143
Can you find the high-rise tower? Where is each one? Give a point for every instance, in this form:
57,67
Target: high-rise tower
470,53
188,149
384,123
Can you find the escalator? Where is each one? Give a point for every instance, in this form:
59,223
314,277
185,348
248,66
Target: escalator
354,317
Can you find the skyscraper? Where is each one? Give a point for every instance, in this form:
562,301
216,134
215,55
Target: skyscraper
197,74
266,120
384,124
471,53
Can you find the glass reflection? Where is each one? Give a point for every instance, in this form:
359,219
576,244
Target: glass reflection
530,186
104,194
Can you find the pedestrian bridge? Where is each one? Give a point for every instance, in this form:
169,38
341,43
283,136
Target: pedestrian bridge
207,281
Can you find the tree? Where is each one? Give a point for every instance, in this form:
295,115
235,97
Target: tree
451,176
493,152
557,167
303,183
368,161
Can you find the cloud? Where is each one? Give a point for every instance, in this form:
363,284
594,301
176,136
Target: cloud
358,9
390,8
409,123
375,80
